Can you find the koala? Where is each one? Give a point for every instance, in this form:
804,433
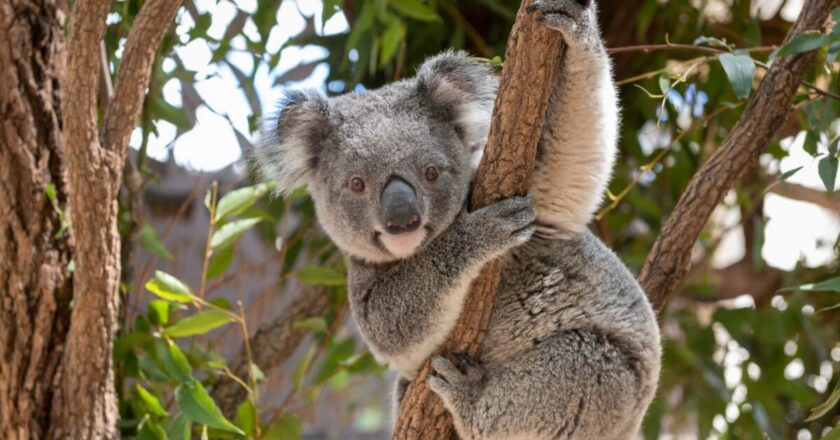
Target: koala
573,349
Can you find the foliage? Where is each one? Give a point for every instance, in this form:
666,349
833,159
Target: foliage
764,366
162,366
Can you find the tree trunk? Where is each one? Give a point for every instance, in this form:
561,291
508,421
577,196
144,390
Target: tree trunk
532,63
56,332
35,285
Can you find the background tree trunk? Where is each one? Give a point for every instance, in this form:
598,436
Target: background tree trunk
35,286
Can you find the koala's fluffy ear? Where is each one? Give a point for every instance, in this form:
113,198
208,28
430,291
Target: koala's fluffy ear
287,152
466,89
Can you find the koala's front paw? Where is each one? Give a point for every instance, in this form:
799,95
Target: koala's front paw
575,19
456,387
504,224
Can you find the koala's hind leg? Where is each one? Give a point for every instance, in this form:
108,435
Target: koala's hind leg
577,150
575,385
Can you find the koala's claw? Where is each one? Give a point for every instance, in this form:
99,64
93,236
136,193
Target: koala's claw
451,384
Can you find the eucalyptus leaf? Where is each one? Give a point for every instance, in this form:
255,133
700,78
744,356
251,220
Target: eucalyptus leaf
229,233
414,9
827,169
803,42
151,402
283,428
740,69
316,324
237,201
198,324
194,401
829,285
151,241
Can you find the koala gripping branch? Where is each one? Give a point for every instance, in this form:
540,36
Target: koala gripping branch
532,63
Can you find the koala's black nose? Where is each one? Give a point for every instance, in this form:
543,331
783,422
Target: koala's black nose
400,212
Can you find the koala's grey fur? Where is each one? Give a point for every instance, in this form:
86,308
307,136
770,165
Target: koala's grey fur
572,349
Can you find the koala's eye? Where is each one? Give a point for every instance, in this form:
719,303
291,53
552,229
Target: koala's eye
431,174
357,184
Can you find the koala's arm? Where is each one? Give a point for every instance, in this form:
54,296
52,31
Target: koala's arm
406,309
578,145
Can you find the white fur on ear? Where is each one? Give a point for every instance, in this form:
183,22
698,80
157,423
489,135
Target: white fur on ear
288,144
467,90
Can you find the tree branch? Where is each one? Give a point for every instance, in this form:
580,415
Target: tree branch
272,345
804,194
532,63
85,404
134,72
668,261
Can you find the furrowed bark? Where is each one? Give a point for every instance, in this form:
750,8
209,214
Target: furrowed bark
532,62
84,405
668,262
35,287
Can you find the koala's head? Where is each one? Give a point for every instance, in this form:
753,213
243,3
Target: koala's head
388,169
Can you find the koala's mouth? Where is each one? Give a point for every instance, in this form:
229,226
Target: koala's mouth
401,245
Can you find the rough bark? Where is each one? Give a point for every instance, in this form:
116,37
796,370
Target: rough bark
532,62
272,345
84,404
668,262
35,286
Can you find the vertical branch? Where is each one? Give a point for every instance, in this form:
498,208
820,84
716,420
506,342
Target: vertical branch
668,261
84,405
532,63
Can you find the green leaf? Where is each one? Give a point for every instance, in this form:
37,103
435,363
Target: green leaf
196,403
235,202
320,276
390,42
151,402
284,428
316,324
299,374
179,428
414,9
159,312
803,42
220,263
359,29
246,417
826,406
151,430
175,363
810,145
336,353
198,324
150,240
787,174
830,285
363,363
712,42
154,287
664,84
827,169
255,372
169,288
740,69
228,233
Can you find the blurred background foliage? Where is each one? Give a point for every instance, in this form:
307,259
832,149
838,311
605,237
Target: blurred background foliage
752,346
